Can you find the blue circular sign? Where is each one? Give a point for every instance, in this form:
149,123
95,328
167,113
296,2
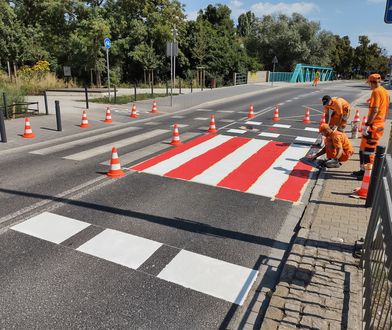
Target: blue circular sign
107,43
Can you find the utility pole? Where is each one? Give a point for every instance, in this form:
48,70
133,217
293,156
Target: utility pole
274,61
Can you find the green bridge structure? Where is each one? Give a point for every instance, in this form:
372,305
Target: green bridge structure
302,73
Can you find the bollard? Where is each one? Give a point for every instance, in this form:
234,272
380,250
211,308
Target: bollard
134,87
5,106
58,115
376,174
86,95
191,86
167,88
152,90
115,95
2,127
179,84
46,103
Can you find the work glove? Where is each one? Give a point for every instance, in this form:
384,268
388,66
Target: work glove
365,131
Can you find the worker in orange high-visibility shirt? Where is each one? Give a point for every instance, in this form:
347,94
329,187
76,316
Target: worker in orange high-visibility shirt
374,127
316,78
340,112
337,147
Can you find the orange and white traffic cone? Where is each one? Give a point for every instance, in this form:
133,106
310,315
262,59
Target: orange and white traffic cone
115,166
356,117
108,117
154,107
276,114
306,119
212,128
84,123
363,190
362,127
251,114
28,132
133,112
322,119
175,137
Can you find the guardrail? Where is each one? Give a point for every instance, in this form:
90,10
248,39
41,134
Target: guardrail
376,257
14,109
280,76
240,79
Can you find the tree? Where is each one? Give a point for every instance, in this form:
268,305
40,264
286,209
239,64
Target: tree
147,57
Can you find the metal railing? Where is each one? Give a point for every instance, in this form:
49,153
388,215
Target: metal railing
240,79
376,259
280,76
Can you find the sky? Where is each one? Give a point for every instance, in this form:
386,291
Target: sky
342,17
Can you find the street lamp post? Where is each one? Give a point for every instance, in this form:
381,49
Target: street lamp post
274,61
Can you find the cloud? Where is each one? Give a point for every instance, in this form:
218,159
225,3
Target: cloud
383,39
236,8
192,15
267,8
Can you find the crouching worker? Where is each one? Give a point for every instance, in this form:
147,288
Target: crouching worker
337,147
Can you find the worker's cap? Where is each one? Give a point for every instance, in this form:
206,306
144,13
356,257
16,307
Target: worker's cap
326,99
374,77
323,127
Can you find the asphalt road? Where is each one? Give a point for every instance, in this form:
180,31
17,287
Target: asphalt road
97,276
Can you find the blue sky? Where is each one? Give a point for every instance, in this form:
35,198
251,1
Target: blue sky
342,17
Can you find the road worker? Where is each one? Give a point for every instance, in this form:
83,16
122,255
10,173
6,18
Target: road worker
337,147
374,127
316,78
340,112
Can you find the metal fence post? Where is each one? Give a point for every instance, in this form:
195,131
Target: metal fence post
376,174
115,94
58,116
2,127
86,95
5,106
46,103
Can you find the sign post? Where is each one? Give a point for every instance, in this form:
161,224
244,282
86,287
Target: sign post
172,52
390,71
274,61
108,44
388,12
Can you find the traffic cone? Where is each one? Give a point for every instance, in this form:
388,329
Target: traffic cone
176,136
276,114
251,113
322,119
361,128
363,190
307,117
108,117
154,107
133,112
28,133
115,167
356,117
84,123
212,128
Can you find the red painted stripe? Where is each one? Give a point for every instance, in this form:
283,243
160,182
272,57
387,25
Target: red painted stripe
199,164
168,154
244,176
292,188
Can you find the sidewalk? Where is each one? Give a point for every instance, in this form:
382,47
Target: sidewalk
321,285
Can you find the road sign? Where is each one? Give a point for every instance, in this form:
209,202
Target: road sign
275,60
388,12
107,43
169,49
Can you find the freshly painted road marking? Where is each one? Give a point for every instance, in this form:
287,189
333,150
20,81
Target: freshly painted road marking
177,117
253,123
281,125
118,144
266,134
201,118
305,139
51,227
121,248
83,142
226,111
182,125
236,131
203,110
311,129
211,276
226,120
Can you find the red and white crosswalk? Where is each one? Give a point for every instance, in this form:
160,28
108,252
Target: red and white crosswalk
267,168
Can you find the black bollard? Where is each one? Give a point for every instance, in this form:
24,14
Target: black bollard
2,127
115,95
86,96
376,175
5,106
58,115
46,103
134,89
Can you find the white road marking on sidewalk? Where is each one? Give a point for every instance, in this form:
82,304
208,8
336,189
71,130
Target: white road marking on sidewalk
311,129
121,248
51,227
305,139
270,182
211,276
281,125
253,123
82,142
236,131
272,135
118,144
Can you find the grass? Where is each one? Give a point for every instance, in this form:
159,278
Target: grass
124,99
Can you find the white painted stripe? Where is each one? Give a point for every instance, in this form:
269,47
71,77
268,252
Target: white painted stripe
182,125
211,276
82,142
226,120
201,118
177,160
152,123
121,248
149,150
226,111
281,125
121,143
203,110
311,129
270,182
289,101
51,227
237,131
305,139
218,171
253,122
266,134
178,116
281,103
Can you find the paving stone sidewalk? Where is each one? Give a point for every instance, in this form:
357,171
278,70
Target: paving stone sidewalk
321,285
